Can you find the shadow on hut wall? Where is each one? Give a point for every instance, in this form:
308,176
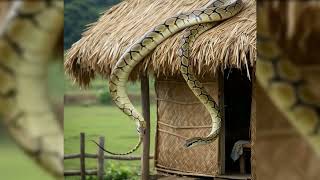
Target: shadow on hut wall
237,101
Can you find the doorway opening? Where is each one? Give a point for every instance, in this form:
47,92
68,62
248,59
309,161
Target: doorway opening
237,91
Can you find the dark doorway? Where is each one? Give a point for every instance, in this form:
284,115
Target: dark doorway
237,104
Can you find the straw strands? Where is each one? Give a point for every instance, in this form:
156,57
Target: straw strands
231,44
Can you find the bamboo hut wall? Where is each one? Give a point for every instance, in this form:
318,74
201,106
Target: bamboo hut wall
181,116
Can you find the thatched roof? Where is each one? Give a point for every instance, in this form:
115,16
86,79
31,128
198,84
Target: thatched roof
231,44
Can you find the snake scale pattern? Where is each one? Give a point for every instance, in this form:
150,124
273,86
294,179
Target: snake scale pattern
190,35
285,84
28,37
24,57
213,12
283,90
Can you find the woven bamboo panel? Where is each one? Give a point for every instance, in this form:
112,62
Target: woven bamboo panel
281,153
181,116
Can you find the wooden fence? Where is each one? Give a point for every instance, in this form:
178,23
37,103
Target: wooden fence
100,156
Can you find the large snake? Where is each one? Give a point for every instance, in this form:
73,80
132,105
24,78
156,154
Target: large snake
190,35
286,86
28,37
215,11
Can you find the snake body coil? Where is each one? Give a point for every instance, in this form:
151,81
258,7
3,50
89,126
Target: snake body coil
197,88
286,86
216,11
288,90
28,37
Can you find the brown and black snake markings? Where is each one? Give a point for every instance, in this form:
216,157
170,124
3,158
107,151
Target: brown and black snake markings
287,88
296,83
186,69
5,69
281,79
28,36
214,12
15,46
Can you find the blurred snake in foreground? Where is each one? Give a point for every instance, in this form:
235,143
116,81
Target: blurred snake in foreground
28,37
215,11
285,84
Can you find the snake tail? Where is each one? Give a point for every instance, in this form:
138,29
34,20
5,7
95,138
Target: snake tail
214,12
120,154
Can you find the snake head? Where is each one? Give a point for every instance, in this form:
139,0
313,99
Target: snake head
193,142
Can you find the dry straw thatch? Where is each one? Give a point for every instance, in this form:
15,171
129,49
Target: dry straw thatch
231,44
180,115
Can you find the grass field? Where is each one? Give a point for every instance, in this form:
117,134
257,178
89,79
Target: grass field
14,164
118,130
97,85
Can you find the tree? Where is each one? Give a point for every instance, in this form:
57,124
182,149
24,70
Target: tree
79,13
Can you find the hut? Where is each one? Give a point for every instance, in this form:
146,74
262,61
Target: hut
223,59
279,147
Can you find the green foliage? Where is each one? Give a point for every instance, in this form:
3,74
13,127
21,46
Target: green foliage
119,173
79,13
104,97
116,172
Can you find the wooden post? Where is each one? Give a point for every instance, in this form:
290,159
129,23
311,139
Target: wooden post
82,157
100,153
222,136
145,98
253,123
242,162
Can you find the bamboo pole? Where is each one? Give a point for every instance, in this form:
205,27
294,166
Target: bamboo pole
82,157
145,98
78,172
222,136
112,157
100,165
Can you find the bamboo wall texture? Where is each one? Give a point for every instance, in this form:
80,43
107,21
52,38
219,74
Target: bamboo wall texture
181,116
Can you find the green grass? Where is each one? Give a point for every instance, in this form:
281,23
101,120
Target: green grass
14,164
108,121
99,84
